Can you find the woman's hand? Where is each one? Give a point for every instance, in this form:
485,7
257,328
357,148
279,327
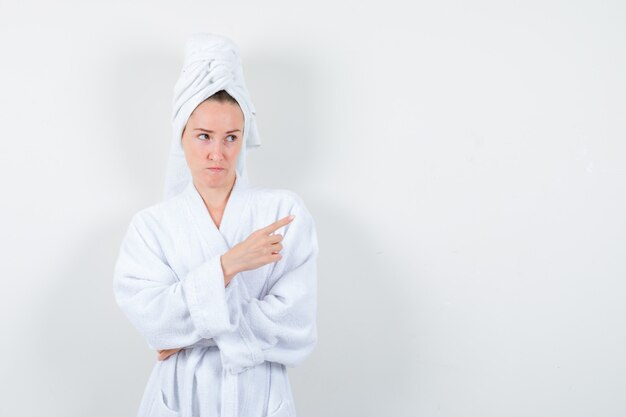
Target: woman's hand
260,248
166,353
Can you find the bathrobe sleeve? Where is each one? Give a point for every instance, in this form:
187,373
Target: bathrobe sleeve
168,312
280,327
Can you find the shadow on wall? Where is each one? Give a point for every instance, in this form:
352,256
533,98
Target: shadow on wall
141,102
281,86
92,360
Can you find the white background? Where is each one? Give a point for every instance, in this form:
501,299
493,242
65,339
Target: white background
465,163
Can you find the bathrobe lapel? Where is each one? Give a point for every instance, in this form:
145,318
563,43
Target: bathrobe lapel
217,241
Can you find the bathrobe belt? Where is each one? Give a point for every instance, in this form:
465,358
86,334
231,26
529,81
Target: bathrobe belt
229,395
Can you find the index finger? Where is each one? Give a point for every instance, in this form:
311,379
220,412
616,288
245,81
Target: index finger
277,224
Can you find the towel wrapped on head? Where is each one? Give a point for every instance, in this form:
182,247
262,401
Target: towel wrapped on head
212,63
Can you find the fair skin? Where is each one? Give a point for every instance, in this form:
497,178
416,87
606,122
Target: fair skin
213,138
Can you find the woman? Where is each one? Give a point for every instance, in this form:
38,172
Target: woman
204,275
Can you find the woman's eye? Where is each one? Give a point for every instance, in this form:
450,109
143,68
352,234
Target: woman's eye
232,136
203,134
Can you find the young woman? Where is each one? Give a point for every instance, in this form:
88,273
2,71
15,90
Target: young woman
220,277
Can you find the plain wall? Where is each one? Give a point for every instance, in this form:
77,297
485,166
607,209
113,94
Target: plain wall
465,163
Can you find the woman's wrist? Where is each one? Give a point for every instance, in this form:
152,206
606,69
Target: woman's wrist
228,271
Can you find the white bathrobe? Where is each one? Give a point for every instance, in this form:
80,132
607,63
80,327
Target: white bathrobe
237,339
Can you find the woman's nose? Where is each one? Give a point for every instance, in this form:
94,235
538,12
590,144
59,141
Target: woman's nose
215,152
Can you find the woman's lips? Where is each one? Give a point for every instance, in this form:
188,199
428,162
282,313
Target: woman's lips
215,169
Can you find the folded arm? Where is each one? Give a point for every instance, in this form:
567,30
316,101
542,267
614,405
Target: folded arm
169,312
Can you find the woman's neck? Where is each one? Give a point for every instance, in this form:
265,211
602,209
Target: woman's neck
215,198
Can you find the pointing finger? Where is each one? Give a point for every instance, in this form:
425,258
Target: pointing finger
278,224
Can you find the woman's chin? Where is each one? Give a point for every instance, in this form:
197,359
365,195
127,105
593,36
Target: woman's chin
213,178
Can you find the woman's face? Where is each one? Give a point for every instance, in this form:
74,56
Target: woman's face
212,139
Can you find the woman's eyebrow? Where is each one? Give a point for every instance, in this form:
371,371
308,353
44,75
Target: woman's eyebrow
210,131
